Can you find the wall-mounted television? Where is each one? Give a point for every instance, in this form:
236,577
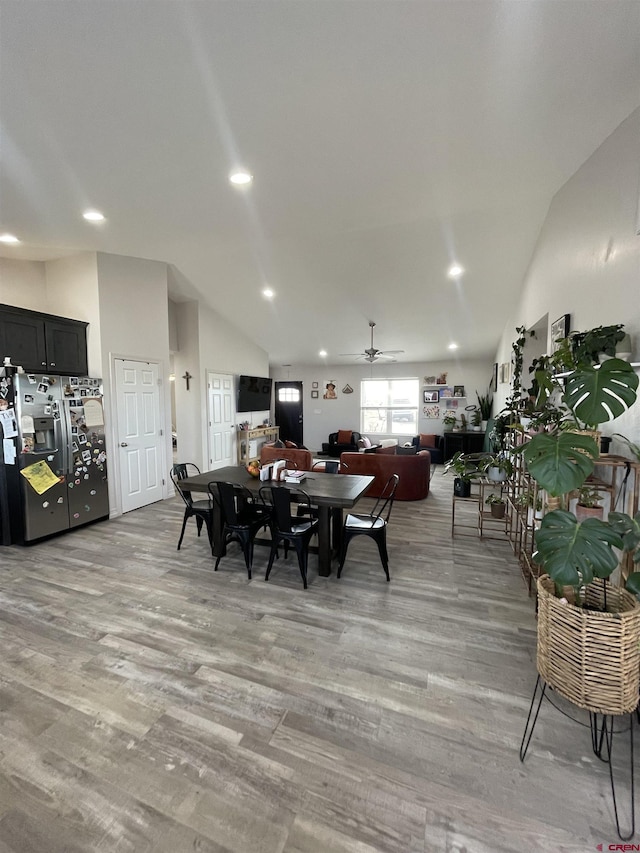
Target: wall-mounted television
254,394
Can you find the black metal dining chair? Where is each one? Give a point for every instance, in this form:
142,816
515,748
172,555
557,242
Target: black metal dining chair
287,528
201,510
373,524
328,466
242,517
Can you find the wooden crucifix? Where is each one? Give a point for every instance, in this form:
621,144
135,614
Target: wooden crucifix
187,376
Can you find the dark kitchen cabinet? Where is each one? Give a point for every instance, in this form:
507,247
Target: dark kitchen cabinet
43,343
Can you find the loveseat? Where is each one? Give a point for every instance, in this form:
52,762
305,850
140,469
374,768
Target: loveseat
343,441
414,472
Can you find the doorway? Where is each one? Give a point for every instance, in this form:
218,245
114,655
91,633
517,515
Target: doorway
288,411
140,435
220,420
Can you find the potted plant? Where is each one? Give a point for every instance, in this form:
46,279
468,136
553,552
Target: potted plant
449,420
596,344
476,419
588,629
497,505
589,503
466,468
485,402
498,467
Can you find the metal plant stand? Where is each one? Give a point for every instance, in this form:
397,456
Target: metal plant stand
602,731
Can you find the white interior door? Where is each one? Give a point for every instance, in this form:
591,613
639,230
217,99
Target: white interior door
141,443
221,413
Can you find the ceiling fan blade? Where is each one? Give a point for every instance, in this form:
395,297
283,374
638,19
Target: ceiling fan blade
390,351
350,354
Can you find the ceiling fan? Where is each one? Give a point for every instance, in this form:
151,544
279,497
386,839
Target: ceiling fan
372,354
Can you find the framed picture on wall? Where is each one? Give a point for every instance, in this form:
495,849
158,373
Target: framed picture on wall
430,397
493,385
314,395
559,330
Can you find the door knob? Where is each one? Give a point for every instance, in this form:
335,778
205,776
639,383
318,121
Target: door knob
123,444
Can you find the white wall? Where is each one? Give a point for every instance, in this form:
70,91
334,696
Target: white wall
587,259
206,342
134,323
23,284
72,291
322,417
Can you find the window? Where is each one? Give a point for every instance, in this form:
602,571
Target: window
288,395
389,406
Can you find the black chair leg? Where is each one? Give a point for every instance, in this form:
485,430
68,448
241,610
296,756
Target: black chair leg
343,552
184,524
384,557
245,541
199,523
302,560
273,554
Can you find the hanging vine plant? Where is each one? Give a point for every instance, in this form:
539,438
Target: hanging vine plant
514,402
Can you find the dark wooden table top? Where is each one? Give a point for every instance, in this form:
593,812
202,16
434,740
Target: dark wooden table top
337,490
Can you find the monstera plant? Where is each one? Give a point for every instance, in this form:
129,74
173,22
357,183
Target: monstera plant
573,553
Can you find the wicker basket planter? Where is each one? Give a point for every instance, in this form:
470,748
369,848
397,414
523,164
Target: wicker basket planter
591,658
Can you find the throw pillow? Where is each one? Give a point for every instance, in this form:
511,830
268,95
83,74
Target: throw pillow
428,440
366,442
344,436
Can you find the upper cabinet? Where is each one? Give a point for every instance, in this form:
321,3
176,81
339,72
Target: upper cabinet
42,343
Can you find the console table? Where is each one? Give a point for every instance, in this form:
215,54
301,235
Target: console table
466,442
251,440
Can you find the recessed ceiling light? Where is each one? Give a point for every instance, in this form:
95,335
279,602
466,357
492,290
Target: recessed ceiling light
453,346
454,271
8,238
93,216
322,353
240,178
268,293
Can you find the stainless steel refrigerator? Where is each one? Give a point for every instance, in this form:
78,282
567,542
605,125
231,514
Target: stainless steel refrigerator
57,478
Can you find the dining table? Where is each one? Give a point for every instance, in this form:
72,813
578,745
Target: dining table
330,493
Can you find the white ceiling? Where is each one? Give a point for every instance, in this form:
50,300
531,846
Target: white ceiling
386,138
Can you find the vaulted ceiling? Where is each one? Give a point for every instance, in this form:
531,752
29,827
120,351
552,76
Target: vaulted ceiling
386,139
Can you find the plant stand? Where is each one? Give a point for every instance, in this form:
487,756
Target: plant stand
590,656
602,731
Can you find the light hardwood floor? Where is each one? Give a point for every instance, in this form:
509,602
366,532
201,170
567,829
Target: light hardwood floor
148,704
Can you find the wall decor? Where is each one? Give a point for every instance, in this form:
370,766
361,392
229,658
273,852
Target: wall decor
446,392
329,391
458,390
559,329
429,380
493,384
442,379
314,384
430,397
431,412
314,395
505,372
347,389
451,403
